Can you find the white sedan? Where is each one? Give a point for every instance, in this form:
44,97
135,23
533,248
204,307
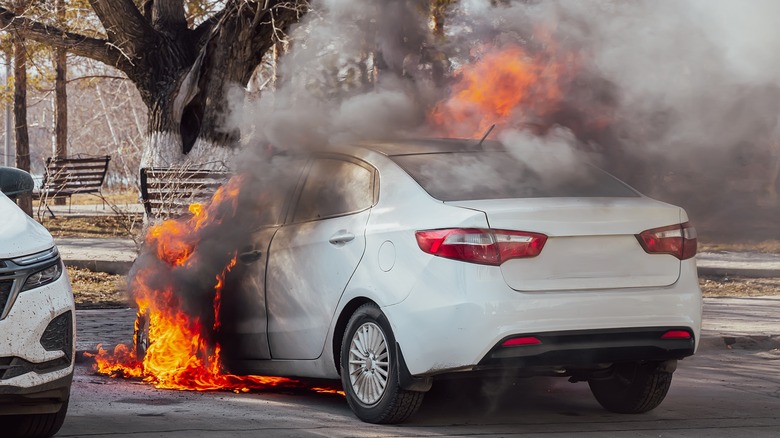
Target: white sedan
388,265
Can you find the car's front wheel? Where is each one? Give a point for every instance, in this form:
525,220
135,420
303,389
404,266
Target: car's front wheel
141,335
369,370
633,388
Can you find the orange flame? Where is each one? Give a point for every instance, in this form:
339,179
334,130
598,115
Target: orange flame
178,357
507,87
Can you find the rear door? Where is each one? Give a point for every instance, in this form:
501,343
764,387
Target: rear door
313,256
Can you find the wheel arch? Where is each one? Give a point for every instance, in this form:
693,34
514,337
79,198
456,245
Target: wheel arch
341,326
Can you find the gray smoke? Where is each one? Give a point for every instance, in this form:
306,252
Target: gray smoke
680,98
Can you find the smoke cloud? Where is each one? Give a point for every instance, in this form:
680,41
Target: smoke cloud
682,99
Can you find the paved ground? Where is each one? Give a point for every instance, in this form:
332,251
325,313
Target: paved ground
745,264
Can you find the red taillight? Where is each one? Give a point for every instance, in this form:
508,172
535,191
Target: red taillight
677,240
484,246
676,334
525,340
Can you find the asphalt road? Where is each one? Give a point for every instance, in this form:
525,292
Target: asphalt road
721,392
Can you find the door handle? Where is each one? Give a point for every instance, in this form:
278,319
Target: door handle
250,256
341,237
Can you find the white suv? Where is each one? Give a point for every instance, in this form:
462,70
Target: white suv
37,320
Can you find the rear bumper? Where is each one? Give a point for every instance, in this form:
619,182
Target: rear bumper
452,323
576,349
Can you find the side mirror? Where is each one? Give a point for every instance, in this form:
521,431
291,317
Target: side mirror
14,181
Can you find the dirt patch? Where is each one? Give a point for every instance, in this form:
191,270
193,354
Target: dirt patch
98,290
128,226
718,287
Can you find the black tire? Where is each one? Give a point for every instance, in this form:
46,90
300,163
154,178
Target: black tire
374,365
33,425
141,335
633,388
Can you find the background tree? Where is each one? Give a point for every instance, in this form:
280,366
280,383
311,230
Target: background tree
20,117
179,64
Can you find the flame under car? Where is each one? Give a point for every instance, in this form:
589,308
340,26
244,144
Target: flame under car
389,265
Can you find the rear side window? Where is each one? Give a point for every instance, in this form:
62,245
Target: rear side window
333,188
464,176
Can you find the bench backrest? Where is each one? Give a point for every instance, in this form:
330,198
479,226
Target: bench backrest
69,176
169,191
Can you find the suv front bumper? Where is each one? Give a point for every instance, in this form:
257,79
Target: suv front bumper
37,349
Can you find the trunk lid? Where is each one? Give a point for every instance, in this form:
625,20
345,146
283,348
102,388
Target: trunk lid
591,242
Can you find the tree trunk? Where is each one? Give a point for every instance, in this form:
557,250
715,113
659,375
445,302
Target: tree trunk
60,93
20,117
61,103
181,73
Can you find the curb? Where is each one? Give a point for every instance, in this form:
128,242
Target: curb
740,342
737,272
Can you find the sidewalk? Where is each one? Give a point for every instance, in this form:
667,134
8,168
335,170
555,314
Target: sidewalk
744,264
104,254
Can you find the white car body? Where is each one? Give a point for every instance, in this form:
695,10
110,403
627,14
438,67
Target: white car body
592,277
37,325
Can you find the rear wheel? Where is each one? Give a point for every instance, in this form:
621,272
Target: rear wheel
633,388
369,370
33,425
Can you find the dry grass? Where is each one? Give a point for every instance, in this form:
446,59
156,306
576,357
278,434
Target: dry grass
117,198
719,287
98,289
94,226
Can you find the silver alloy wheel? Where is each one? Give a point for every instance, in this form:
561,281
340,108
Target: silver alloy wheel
368,363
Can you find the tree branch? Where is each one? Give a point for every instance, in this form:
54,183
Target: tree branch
125,26
202,32
168,14
77,44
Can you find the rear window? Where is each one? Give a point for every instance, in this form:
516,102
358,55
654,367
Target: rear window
464,176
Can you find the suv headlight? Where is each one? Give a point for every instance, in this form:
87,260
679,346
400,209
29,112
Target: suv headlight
25,273
43,277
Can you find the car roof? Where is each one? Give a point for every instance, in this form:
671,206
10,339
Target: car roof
430,146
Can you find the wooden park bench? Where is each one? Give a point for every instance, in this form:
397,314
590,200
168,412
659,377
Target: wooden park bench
68,176
169,191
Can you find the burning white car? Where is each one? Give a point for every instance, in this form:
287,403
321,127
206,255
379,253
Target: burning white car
391,264
37,320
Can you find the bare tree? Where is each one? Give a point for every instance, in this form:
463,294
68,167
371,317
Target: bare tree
61,96
20,117
179,68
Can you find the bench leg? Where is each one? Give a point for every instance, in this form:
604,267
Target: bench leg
46,204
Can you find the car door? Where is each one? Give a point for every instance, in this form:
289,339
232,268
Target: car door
243,310
313,256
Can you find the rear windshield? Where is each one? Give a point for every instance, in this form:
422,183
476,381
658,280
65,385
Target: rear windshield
464,176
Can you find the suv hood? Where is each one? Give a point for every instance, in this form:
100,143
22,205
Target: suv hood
20,234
